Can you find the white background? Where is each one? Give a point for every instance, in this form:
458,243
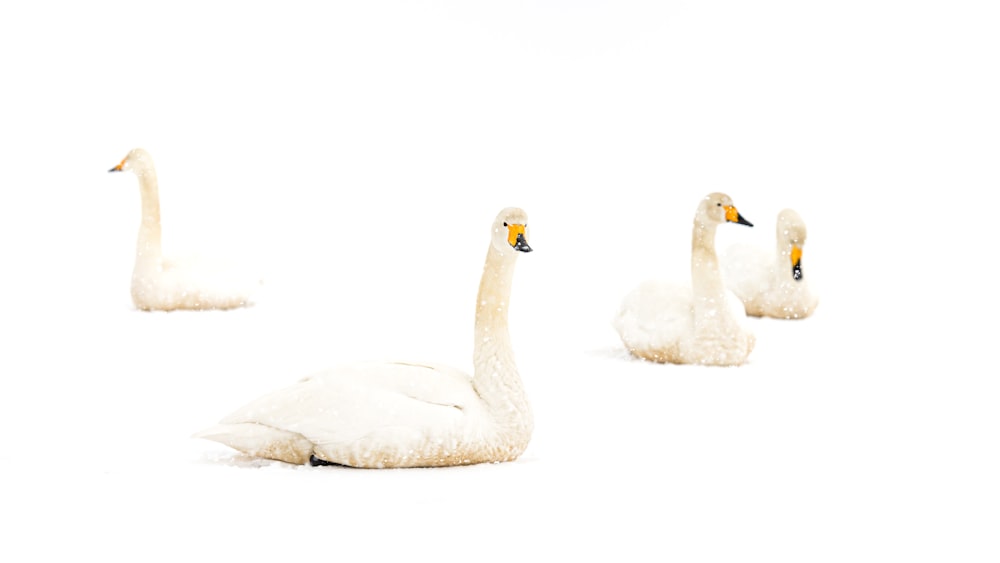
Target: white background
356,154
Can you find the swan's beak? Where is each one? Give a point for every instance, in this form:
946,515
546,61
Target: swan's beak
522,244
796,263
515,236
118,168
734,216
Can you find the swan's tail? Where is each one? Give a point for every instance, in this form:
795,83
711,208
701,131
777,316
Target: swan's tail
261,441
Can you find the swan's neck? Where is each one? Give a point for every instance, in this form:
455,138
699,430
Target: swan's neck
495,376
784,255
149,247
708,292
706,279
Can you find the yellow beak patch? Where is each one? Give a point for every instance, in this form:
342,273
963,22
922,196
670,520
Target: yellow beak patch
796,254
732,215
512,232
120,165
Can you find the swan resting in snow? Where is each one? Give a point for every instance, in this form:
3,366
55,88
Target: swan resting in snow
168,284
696,323
382,415
772,284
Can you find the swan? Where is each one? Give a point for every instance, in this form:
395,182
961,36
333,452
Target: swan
169,284
696,323
402,414
772,284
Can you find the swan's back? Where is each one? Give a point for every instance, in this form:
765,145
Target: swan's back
365,415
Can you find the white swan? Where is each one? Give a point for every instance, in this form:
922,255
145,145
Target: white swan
699,323
379,415
772,284
169,284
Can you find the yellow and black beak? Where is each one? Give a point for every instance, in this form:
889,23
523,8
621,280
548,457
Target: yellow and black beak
733,216
796,263
515,236
118,168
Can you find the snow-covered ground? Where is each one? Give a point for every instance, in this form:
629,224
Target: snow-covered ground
357,152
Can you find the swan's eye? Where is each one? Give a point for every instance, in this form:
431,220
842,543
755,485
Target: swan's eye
505,223
718,205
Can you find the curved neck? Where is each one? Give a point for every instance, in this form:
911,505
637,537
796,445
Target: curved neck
149,245
495,376
784,253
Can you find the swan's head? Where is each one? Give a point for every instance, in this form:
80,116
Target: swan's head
718,208
137,160
791,232
510,231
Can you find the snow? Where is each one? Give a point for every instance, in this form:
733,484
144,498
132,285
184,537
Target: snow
359,151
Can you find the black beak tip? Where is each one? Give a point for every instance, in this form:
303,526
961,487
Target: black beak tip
797,272
522,244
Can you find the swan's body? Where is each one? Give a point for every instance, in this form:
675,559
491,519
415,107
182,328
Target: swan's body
773,284
164,284
380,415
696,323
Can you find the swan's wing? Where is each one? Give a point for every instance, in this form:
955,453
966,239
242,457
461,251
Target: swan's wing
737,309
351,402
746,269
655,314
214,278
